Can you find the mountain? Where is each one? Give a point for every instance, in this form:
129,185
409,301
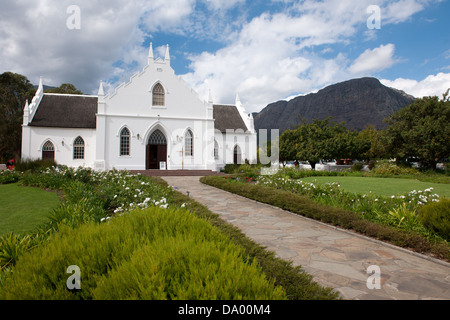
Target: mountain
357,102
44,86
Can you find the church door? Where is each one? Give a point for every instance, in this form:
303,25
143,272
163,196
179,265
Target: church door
237,155
48,151
156,151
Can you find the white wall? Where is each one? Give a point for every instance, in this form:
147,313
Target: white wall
131,105
247,142
63,153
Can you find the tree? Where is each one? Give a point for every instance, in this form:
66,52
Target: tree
316,141
65,88
370,144
15,89
421,130
288,146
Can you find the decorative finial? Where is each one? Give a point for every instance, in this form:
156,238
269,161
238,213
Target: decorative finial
101,92
150,53
167,57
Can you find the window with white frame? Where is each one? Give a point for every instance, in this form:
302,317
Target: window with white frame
125,142
158,95
189,144
48,146
78,149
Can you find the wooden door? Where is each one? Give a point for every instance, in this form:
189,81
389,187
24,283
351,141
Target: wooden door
48,155
155,155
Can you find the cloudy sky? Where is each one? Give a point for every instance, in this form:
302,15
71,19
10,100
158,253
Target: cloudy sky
263,50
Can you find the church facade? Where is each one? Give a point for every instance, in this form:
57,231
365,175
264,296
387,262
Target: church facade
153,122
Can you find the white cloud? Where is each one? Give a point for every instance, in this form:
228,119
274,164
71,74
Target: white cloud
433,85
400,11
272,55
166,15
39,43
374,60
223,5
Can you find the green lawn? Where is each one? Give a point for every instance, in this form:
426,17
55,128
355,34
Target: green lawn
22,209
382,186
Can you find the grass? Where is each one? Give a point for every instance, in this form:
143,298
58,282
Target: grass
382,186
23,209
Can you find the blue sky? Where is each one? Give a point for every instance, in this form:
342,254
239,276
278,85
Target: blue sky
264,51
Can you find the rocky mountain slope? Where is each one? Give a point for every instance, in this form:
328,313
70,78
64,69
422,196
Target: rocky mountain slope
357,102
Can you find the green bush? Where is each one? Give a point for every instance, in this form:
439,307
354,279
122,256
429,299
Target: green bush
7,176
357,166
147,254
386,168
12,247
230,168
34,165
436,217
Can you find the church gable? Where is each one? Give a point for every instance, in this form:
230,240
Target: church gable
156,91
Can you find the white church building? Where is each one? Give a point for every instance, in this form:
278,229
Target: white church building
155,121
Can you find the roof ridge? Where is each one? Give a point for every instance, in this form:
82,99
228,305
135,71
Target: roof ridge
70,95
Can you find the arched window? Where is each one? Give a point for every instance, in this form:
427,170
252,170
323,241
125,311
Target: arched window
125,142
48,146
157,138
189,144
78,149
158,95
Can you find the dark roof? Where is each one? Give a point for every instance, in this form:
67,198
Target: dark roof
66,111
72,111
228,117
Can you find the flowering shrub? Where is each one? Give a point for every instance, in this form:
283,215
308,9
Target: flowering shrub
396,210
8,176
89,196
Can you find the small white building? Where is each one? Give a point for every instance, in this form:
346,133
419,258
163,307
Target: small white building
155,121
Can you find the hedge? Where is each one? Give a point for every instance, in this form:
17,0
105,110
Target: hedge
338,217
147,254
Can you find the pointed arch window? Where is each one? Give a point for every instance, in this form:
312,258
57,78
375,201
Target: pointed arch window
48,146
157,138
189,143
125,142
78,149
159,95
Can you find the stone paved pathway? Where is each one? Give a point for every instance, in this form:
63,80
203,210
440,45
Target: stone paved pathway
334,257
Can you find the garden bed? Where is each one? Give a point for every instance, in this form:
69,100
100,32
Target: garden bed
95,204
335,207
